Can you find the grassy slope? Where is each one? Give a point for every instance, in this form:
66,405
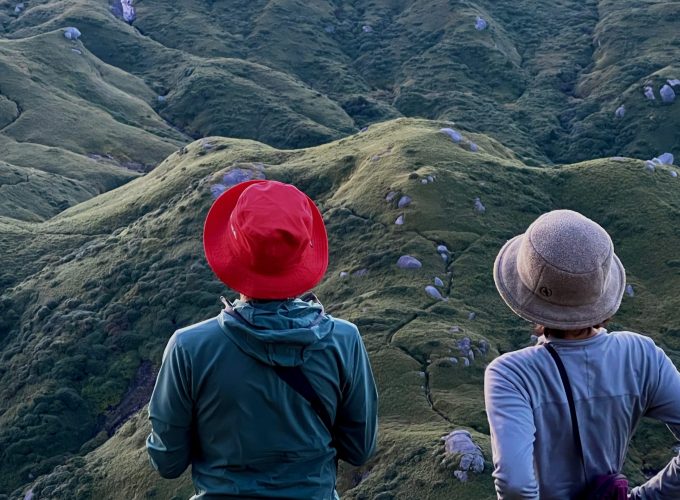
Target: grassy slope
71,125
85,322
545,78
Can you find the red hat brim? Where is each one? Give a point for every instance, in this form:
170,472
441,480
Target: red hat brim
241,276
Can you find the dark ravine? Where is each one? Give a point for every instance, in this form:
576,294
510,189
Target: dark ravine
135,398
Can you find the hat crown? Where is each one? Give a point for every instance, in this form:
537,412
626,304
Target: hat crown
565,259
271,226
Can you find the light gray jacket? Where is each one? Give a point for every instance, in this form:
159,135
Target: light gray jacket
617,378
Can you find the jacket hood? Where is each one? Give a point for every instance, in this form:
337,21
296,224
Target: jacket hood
281,333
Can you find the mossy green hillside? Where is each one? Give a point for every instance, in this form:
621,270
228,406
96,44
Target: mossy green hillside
115,275
545,78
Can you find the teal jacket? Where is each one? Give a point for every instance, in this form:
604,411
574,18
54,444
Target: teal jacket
219,405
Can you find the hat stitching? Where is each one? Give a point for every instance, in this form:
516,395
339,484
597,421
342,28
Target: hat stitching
558,267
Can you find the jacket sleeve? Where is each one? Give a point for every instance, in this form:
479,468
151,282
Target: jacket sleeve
170,413
512,436
356,421
664,406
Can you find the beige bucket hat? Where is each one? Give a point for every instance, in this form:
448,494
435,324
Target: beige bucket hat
562,273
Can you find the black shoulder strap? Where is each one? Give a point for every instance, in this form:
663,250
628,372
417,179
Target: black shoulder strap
572,405
295,378
298,381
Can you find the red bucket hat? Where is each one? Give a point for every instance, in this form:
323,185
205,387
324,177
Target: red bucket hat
266,240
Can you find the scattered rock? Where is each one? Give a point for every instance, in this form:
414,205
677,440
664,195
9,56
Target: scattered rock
434,293
666,159
72,33
454,329
400,220
79,52
479,206
620,111
674,173
453,134
18,9
629,290
667,94
438,281
129,14
391,196
464,345
408,262
239,175
461,475
344,274
361,273
329,29
472,316
404,201
161,98
673,82
481,24
649,93
367,28
217,189
473,147
459,444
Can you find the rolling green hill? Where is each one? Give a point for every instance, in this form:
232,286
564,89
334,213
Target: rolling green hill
111,147
544,78
83,326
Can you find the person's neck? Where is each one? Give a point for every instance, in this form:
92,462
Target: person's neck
245,298
582,334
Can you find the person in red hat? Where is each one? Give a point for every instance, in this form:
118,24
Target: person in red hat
263,399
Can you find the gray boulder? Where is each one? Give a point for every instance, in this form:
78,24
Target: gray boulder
433,292
459,443
404,201
453,134
667,94
408,262
481,24
649,93
72,33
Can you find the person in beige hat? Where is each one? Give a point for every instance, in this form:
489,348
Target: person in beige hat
562,413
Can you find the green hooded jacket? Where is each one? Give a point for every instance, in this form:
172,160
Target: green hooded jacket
220,406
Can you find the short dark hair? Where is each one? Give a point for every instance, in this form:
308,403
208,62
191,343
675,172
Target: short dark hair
560,334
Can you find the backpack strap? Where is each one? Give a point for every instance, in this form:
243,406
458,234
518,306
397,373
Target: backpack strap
298,381
572,406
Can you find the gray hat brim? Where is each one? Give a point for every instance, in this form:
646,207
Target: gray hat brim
532,307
